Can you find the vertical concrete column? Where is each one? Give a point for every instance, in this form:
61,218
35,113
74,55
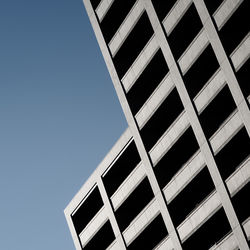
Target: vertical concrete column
110,214
224,63
134,129
240,101
193,119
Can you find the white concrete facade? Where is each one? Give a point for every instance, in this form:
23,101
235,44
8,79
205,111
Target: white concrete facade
182,168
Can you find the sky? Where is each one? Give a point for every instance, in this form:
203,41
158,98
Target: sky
59,117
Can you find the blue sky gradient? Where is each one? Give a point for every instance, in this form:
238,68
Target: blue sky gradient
59,116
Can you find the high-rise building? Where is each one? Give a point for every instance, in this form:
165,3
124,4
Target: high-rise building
178,178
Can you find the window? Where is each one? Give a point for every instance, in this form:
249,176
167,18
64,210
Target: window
87,210
217,111
133,205
102,239
147,82
233,153
151,236
162,7
236,28
216,227
122,167
243,77
185,31
133,45
163,117
114,17
176,157
201,71
191,196
212,6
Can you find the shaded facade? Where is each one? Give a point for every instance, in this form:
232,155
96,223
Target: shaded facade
178,178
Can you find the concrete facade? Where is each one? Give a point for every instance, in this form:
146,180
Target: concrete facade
178,178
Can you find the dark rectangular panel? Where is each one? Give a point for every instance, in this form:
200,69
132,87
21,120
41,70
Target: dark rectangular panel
162,7
151,236
176,157
217,111
213,5
147,82
233,153
114,17
243,77
160,121
102,239
241,203
209,233
133,45
185,31
191,196
120,170
236,28
201,71
133,205
87,210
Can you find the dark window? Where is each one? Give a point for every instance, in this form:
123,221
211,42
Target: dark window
243,77
102,239
95,3
151,236
133,205
163,117
192,195
212,6
209,233
185,31
120,170
177,155
201,71
162,7
241,203
236,28
233,153
87,210
147,82
217,111
114,17
133,45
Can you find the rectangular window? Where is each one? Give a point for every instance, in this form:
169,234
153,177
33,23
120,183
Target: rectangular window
121,169
185,31
212,6
233,153
162,7
236,28
243,77
114,17
217,111
151,236
160,121
133,205
133,45
183,149
192,195
87,210
241,203
201,71
216,228
147,82
102,239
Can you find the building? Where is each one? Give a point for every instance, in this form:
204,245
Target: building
178,178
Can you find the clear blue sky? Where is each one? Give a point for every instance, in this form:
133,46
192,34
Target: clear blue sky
59,116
